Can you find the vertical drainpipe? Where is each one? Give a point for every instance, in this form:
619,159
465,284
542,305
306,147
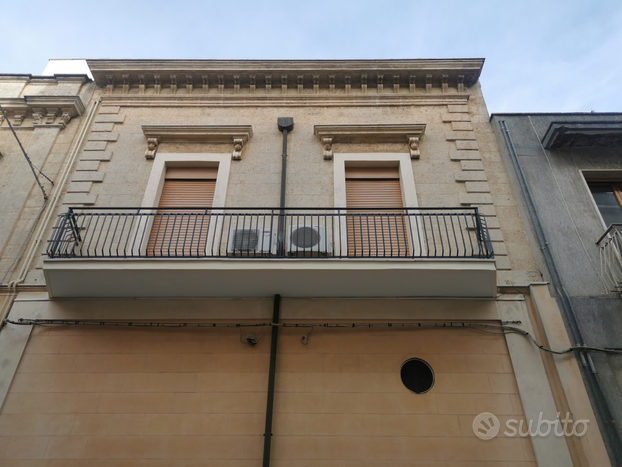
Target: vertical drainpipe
285,125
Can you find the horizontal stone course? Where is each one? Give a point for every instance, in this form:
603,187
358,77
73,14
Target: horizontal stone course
461,126
96,156
87,166
109,109
459,135
95,146
464,155
103,136
477,187
475,198
457,108
110,119
102,127
470,176
471,165
79,187
88,177
466,145
456,117
79,198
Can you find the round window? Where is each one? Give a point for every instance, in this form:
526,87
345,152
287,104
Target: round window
417,376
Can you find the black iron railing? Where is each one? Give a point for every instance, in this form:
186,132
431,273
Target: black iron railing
255,233
610,249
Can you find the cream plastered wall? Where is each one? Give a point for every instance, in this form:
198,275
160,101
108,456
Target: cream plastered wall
153,397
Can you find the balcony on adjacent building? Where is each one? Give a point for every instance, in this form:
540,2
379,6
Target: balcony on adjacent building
258,252
610,247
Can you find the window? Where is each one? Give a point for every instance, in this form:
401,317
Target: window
608,198
183,232
371,232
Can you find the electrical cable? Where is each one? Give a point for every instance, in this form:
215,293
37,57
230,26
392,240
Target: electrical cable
503,328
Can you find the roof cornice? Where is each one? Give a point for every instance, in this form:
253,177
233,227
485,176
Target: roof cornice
316,74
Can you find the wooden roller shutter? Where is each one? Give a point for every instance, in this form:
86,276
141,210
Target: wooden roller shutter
183,233
375,233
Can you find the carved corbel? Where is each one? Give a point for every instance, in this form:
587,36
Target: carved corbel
18,119
301,84
1,119
348,83
173,84
110,84
253,86
412,83
157,87
428,83
141,84
364,83
236,84
126,84
444,83
189,84
396,84
64,118
205,79
460,83
316,84
413,146
327,145
221,84
238,145
283,84
51,116
152,148
268,83
331,84
37,117
379,83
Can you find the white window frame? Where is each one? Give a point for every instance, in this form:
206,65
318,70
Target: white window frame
155,184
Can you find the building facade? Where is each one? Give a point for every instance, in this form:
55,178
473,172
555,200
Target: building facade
283,263
567,170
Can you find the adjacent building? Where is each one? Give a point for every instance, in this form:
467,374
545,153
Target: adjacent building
567,170
288,263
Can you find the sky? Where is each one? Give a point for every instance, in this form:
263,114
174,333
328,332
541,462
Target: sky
541,55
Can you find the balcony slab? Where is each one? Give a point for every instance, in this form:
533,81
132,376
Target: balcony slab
254,278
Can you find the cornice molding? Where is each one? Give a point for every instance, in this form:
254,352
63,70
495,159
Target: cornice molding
370,133
40,107
583,134
279,100
332,75
237,135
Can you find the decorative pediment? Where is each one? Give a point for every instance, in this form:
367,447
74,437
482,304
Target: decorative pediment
370,133
236,135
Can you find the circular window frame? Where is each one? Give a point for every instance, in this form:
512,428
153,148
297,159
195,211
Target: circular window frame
429,367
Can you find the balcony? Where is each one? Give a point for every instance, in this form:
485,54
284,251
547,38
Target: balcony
610,245
258,252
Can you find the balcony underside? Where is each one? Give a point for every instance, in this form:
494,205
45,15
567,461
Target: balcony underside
101,278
